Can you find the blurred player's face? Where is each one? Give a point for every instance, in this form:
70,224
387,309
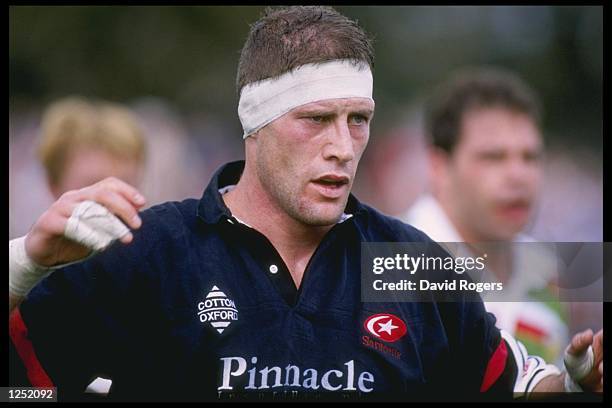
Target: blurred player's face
494,174
88,166
306,160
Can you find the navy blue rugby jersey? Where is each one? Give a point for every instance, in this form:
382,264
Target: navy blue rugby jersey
202,307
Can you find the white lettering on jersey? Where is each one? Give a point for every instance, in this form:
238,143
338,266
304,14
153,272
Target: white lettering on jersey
217,310
272,377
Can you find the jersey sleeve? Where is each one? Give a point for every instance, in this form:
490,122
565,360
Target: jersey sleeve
531,369
484,359
75,324
504,368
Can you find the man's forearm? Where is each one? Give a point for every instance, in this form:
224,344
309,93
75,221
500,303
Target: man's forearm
552,383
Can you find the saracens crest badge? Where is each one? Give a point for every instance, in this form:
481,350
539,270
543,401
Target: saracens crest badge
385,326
217,309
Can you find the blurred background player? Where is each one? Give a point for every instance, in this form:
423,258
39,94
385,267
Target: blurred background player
485,163
83,142
142,141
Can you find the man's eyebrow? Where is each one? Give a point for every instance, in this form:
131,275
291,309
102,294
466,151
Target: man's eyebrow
315,111
365,112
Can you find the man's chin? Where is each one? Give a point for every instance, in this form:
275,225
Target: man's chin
507,234
321,217
320,220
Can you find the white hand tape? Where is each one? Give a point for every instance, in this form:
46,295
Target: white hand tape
579,366
92,225
571,385
24,273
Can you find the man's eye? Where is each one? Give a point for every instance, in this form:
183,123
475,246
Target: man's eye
532,157
492,156
317,119
359,120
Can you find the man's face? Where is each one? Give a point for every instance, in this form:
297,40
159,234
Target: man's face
86,166
494,173
306,160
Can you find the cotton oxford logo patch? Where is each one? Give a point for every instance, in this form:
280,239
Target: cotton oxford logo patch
217,310
385,326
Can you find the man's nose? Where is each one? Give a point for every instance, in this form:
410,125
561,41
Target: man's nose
518,171
340,145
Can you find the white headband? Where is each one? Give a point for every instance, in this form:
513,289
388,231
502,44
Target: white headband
264,101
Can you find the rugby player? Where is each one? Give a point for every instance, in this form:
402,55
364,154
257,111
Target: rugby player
254,289
485,156
84,141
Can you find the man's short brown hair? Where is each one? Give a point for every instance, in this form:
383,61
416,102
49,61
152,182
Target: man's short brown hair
473,89
285,38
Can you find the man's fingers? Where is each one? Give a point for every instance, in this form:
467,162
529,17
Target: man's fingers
118,205
580,342
598,339
127,191
96,226
127,238
598,347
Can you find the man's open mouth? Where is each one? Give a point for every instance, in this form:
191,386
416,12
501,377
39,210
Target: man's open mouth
331,185
332,180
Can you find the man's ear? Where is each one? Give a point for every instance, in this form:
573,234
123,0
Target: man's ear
250,145
254,136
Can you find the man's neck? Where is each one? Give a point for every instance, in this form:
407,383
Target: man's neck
499,256
294,241
466,234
